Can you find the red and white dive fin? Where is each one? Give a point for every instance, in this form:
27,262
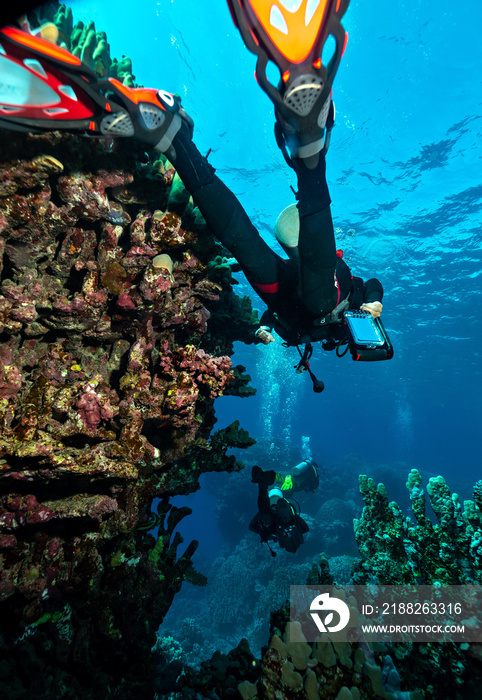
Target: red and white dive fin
43,87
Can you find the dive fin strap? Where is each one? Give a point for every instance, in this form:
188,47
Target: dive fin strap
322,145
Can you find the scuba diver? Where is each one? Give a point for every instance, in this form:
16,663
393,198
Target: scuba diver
303,477
277,518
310,296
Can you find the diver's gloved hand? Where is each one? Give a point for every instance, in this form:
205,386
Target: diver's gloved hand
373,307
264,335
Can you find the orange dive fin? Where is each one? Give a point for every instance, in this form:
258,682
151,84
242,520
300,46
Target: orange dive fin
45,88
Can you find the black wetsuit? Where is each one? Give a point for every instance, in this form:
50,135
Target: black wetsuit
285,527
298,295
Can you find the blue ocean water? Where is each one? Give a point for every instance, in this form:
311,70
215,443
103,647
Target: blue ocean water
404,170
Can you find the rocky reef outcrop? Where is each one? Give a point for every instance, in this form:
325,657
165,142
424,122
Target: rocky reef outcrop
111,358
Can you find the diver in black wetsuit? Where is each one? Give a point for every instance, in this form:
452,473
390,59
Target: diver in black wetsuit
276,519
305,294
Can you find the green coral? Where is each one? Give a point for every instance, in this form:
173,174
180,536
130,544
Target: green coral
194,577
234,318
164,552
380,535
232,436
156,552
84,41
179,198
396,549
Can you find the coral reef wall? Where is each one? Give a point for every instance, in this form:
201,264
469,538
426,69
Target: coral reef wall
111,357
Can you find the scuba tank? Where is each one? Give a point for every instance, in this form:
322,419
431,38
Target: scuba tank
305,476
274,496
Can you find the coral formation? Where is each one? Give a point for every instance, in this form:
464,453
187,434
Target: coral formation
83,40
477,494
106,402
291,668
397,549
115,343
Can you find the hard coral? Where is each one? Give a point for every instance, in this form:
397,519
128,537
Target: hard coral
291,668
106,401
395,549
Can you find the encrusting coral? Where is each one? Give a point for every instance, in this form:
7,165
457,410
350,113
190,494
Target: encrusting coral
111,357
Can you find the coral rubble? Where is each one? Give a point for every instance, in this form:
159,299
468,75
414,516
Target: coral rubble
111,357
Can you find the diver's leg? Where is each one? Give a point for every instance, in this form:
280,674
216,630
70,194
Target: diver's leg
316,246
264,479
263,499
224,214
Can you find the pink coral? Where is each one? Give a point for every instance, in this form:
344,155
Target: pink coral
155,282
89,409
126,302
211,373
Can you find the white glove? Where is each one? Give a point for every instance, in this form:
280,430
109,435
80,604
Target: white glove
373,307
264,335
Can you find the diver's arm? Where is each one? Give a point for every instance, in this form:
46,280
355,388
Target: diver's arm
372,297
